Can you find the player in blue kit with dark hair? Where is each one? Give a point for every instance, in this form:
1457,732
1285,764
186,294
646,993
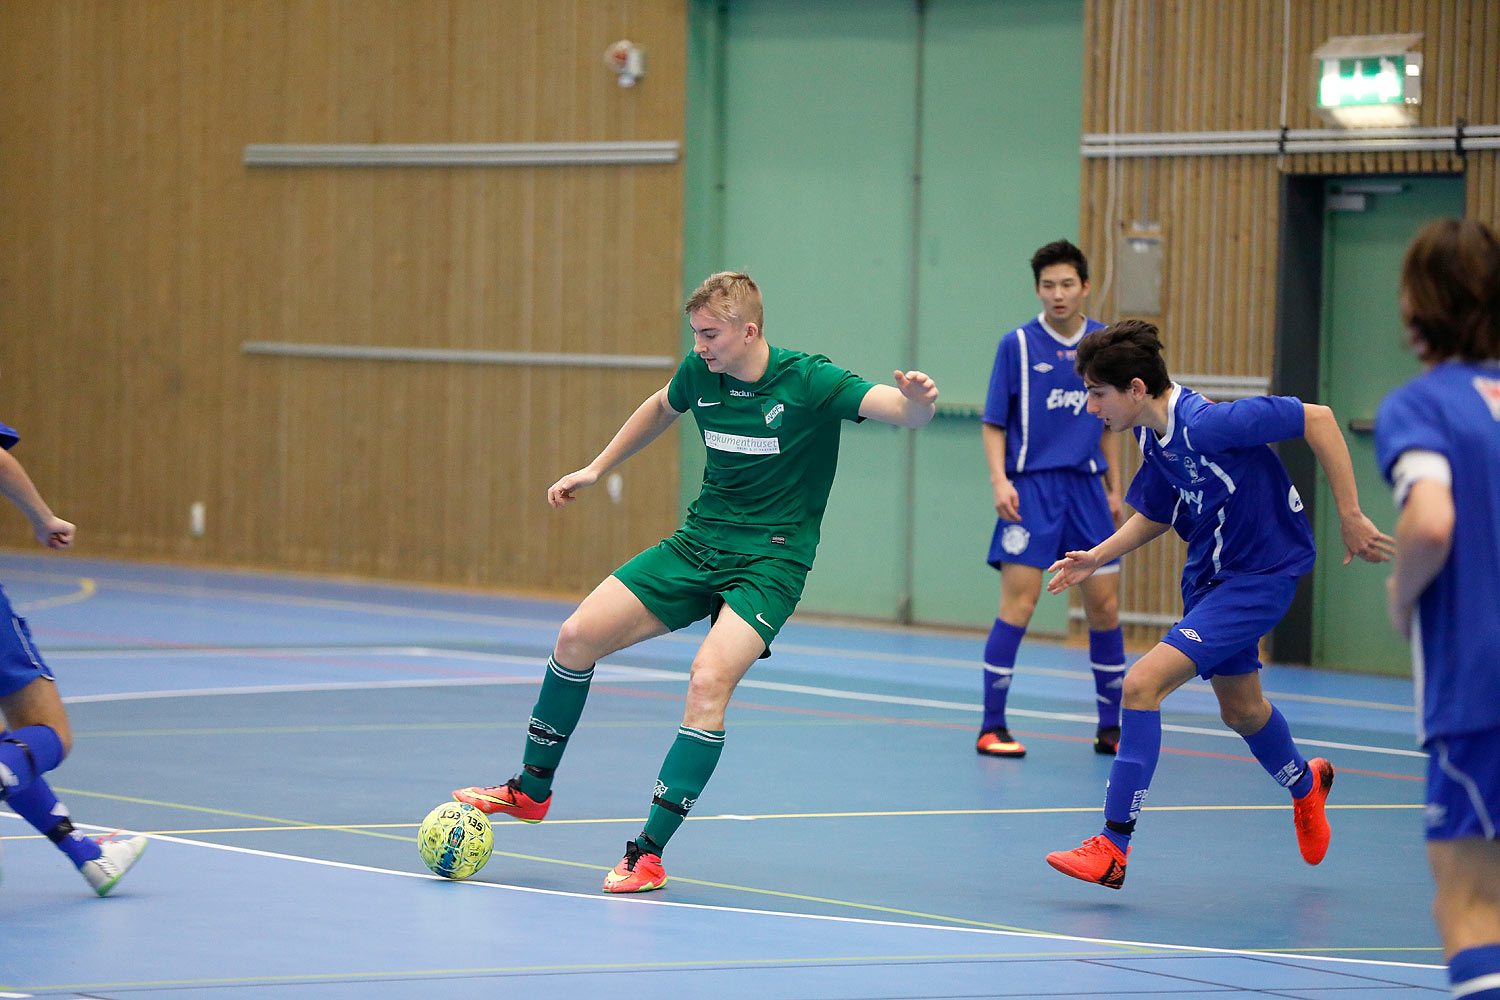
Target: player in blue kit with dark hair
36,737
1437,439
1046,465
1208,473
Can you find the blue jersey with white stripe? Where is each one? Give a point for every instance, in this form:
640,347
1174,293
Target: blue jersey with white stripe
1454,410
1212,477
1037,398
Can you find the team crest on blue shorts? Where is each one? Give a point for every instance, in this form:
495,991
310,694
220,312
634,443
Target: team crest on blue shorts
1014,539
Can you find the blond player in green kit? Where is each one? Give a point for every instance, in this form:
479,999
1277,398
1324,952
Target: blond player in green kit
770,420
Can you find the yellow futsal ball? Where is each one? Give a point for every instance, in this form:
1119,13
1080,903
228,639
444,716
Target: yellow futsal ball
455,840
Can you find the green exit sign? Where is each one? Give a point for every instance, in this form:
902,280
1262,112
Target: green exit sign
1347,83
1362,81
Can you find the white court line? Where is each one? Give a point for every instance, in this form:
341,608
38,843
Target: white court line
477,618
637,901
621,673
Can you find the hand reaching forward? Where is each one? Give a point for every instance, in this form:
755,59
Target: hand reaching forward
916,386
1363,539
1073,568
560,493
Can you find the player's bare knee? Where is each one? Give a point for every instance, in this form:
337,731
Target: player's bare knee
1103,616
1017,609
576,644
708,691
1140,692
1246,718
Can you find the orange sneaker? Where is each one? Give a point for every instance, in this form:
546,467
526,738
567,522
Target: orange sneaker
1313,833
1097,860
998,743
506,799
1107,740
636,872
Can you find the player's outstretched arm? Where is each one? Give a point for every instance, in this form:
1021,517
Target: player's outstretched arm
16,486
645,425
1424,539
1075,567
1361,537
911,402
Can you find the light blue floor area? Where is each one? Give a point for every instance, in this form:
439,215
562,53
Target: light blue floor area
280,737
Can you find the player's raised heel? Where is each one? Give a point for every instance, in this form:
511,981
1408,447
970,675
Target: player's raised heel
998,743
1313,832
117,858
1096,860
637,871
506,799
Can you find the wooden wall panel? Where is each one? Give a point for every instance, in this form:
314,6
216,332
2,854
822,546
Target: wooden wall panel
137,253
1177,66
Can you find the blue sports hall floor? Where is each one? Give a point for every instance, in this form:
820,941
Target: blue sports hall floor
279,738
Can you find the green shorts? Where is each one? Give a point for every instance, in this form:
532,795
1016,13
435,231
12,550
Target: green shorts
680,580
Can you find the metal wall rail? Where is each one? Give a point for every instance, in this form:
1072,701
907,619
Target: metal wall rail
456,154
1273,142
359,352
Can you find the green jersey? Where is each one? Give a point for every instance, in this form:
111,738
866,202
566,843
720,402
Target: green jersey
772,447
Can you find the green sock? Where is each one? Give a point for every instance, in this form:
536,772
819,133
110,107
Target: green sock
553,720
686,770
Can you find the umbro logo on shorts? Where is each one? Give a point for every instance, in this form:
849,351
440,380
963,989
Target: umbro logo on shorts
1191,634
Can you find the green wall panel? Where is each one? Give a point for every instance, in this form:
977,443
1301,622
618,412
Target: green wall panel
885,175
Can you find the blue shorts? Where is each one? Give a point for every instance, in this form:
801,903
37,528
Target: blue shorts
1222,622
20,663
1061,511
1463,786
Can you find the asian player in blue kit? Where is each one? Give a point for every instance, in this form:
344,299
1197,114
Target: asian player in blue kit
1054,491
36,737
1208,473
1437,439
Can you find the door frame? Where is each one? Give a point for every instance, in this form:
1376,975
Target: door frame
1296,369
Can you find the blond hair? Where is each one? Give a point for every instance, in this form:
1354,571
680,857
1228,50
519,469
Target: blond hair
729,295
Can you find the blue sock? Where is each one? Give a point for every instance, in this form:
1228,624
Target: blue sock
1130,774
26,754
1107,657
999,664
1474,973
1272,745
38,806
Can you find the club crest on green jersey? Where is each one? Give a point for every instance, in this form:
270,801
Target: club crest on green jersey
773,411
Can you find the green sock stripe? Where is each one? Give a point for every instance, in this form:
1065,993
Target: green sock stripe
571,676
708,737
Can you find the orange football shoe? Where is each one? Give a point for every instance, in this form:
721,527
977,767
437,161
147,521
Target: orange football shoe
1313,833
636,872
998,743
1097,860
506,799
1107,740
